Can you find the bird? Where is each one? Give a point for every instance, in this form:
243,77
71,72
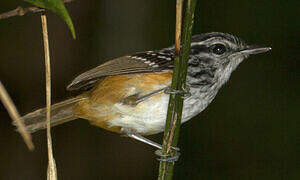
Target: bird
127,95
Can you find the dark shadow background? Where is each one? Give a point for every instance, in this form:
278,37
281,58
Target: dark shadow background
250,131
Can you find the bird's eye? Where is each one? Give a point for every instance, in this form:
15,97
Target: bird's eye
218,49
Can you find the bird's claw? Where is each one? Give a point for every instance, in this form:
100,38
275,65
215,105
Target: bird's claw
167,157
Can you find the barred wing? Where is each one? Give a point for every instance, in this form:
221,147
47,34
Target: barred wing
143,62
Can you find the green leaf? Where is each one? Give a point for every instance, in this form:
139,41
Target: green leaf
58,7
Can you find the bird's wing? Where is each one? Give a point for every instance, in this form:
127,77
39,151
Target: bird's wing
144,62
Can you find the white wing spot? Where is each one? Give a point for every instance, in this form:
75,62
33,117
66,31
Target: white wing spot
138,58
149,52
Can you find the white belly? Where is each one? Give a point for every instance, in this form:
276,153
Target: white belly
149,116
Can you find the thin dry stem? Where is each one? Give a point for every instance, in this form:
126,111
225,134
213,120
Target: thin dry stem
172,130
20,11
178,25
52,172
14,114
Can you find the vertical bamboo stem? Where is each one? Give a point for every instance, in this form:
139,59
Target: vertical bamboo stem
173,120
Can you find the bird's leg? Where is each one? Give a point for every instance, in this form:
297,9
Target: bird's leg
138,137
140,99
135,99
144,140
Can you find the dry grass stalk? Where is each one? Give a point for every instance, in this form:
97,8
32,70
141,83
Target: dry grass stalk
14,114
51,172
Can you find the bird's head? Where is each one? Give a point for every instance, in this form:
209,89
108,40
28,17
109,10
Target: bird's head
217,54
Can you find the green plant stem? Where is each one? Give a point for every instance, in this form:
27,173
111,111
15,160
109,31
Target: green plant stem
173,120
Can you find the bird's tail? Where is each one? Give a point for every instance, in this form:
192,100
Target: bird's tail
60,113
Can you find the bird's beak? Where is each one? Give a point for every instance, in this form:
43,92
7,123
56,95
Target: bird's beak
255,50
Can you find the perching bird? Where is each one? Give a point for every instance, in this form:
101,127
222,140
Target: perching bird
127,94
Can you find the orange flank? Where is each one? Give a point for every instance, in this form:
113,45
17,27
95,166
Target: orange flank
99,102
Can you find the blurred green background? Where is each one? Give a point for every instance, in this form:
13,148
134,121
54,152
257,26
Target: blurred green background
250,131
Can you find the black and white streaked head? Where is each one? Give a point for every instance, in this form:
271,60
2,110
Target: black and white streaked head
214,56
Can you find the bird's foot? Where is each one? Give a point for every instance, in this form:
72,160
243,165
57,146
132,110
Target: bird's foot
163,157
168,158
